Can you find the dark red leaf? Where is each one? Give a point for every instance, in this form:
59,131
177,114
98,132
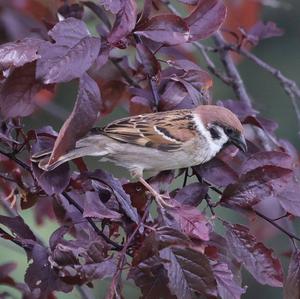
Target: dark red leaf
121,196
262,31
94,207
217,172
18,53
85,113
151,277
188,220
241,109
227,287
289,197
17,95
140,105
172,95
256,185
55,181
189,272
207,17
62,64
254,256
190,2
149,62
69,32
260,159
157,240
6,269
166,29
197,84
74,10
291,288
125,20
99,12
41,278
18,227
114,6
192,195
72,54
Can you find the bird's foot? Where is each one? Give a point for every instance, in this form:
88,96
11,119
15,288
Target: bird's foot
160,199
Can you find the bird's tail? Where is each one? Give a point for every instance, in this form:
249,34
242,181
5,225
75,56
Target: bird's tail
89,146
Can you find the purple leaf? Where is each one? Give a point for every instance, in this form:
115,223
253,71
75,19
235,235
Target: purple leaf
18,53
172,95
260,159
254,256
262,31
121,196
241,109
197,84
157,240
62,64
114,6
69,32
217,172
190,2
291,288
73,52
17,95
55,181
227,287
125,20
41,278
94,207
167,29
189,272
289,197
100,13
206,18
18,227
85,113
192,195
148,60
189,221
74,10
143,276
255,185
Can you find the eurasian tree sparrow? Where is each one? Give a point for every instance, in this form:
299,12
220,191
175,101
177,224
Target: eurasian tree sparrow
158,141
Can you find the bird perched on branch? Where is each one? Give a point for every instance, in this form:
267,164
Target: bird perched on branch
158,141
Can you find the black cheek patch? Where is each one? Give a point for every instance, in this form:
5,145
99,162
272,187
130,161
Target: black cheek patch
214,133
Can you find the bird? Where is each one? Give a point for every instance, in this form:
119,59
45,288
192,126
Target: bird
157,141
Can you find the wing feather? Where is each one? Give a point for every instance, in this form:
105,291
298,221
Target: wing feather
166,131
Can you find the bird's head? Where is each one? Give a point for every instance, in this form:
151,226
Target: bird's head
221,126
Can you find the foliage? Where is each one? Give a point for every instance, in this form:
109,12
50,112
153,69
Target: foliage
139,59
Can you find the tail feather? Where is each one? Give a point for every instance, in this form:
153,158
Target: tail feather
84,147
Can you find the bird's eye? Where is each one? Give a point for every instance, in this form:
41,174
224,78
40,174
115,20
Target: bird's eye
229,131
214,133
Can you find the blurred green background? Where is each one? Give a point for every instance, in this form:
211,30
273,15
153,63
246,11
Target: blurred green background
269,98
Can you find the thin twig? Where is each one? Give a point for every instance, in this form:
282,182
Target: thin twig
92,223
290,235
131,82
122,254
231,70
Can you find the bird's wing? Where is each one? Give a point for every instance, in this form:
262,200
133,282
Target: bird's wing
166,131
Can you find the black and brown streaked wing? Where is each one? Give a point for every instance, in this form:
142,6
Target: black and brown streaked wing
166,131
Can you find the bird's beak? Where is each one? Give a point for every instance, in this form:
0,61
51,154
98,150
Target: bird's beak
239,142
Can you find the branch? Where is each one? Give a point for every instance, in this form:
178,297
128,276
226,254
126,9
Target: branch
231,70
92,223
70,200
271,221
112,288
289,86
234,79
